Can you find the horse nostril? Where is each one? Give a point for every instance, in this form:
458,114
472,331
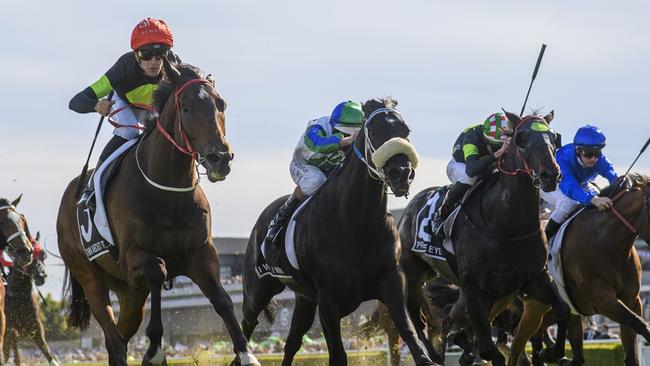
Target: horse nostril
213,158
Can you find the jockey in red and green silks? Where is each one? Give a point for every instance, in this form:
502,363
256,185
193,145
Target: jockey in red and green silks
318,153
474,154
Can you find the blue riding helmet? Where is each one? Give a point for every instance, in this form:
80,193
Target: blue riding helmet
589,137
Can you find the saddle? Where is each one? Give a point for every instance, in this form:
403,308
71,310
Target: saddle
280,260
94,231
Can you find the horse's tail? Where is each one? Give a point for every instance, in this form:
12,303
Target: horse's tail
269,311
373,326
78,310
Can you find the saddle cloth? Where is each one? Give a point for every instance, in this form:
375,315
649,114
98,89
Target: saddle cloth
94,229
281,261
555,263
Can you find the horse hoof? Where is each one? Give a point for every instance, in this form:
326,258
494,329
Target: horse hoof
565,362
247,359
157,360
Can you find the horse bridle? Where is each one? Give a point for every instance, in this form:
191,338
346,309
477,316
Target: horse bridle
20,232
188,149
369,148
524,158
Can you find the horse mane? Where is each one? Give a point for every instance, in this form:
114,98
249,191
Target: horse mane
633,179
372,105
166,88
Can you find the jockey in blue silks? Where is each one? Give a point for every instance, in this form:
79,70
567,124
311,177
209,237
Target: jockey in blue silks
580,163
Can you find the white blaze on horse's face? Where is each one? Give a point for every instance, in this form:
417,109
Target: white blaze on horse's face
203,94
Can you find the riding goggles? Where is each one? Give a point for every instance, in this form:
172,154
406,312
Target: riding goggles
590,153
146,53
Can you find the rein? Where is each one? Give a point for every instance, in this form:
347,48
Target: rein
188,149
527,170
618,214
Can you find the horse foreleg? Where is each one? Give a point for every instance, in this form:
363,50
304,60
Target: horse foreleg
542,289
628,336
392,296
575,334
479,306
204,271
330,320
607,304
304,312
39,341
155,273
531,319
416,312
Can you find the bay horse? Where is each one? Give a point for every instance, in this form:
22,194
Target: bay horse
23,309
16,239
500,250
160,219
345,240
607,281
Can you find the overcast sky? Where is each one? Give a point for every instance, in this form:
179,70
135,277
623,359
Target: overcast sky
281,63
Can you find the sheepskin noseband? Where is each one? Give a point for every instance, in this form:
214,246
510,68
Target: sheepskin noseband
392,147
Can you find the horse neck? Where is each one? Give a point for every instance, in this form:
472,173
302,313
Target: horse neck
358,192
161,160
515,199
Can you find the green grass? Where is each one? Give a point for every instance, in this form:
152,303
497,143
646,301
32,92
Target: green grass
375,358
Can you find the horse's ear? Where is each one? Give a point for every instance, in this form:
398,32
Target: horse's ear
17,200
172,74
512,117
38,235
549,117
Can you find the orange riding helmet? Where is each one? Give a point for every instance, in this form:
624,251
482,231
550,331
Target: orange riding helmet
151,31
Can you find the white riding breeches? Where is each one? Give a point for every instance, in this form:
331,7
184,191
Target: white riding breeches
456,173
561,204
128,116
308,177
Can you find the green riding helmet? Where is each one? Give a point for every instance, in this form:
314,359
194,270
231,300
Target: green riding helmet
347,117
492,127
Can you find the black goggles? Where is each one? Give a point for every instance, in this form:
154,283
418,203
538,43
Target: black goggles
147,54
590,153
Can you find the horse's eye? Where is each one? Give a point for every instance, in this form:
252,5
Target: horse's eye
185,110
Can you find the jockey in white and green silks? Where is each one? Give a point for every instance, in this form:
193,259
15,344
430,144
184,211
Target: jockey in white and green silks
318,153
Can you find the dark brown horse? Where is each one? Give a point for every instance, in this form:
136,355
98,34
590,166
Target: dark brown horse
500,250
160,219
23,309
607,280
345,240
15,238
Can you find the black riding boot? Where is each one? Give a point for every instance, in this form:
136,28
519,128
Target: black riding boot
88,193
551,229
281,218
455,194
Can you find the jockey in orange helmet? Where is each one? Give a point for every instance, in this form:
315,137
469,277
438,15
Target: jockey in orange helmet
132,79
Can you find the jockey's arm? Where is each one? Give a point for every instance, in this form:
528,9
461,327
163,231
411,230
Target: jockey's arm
606,169
475,165
317,140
